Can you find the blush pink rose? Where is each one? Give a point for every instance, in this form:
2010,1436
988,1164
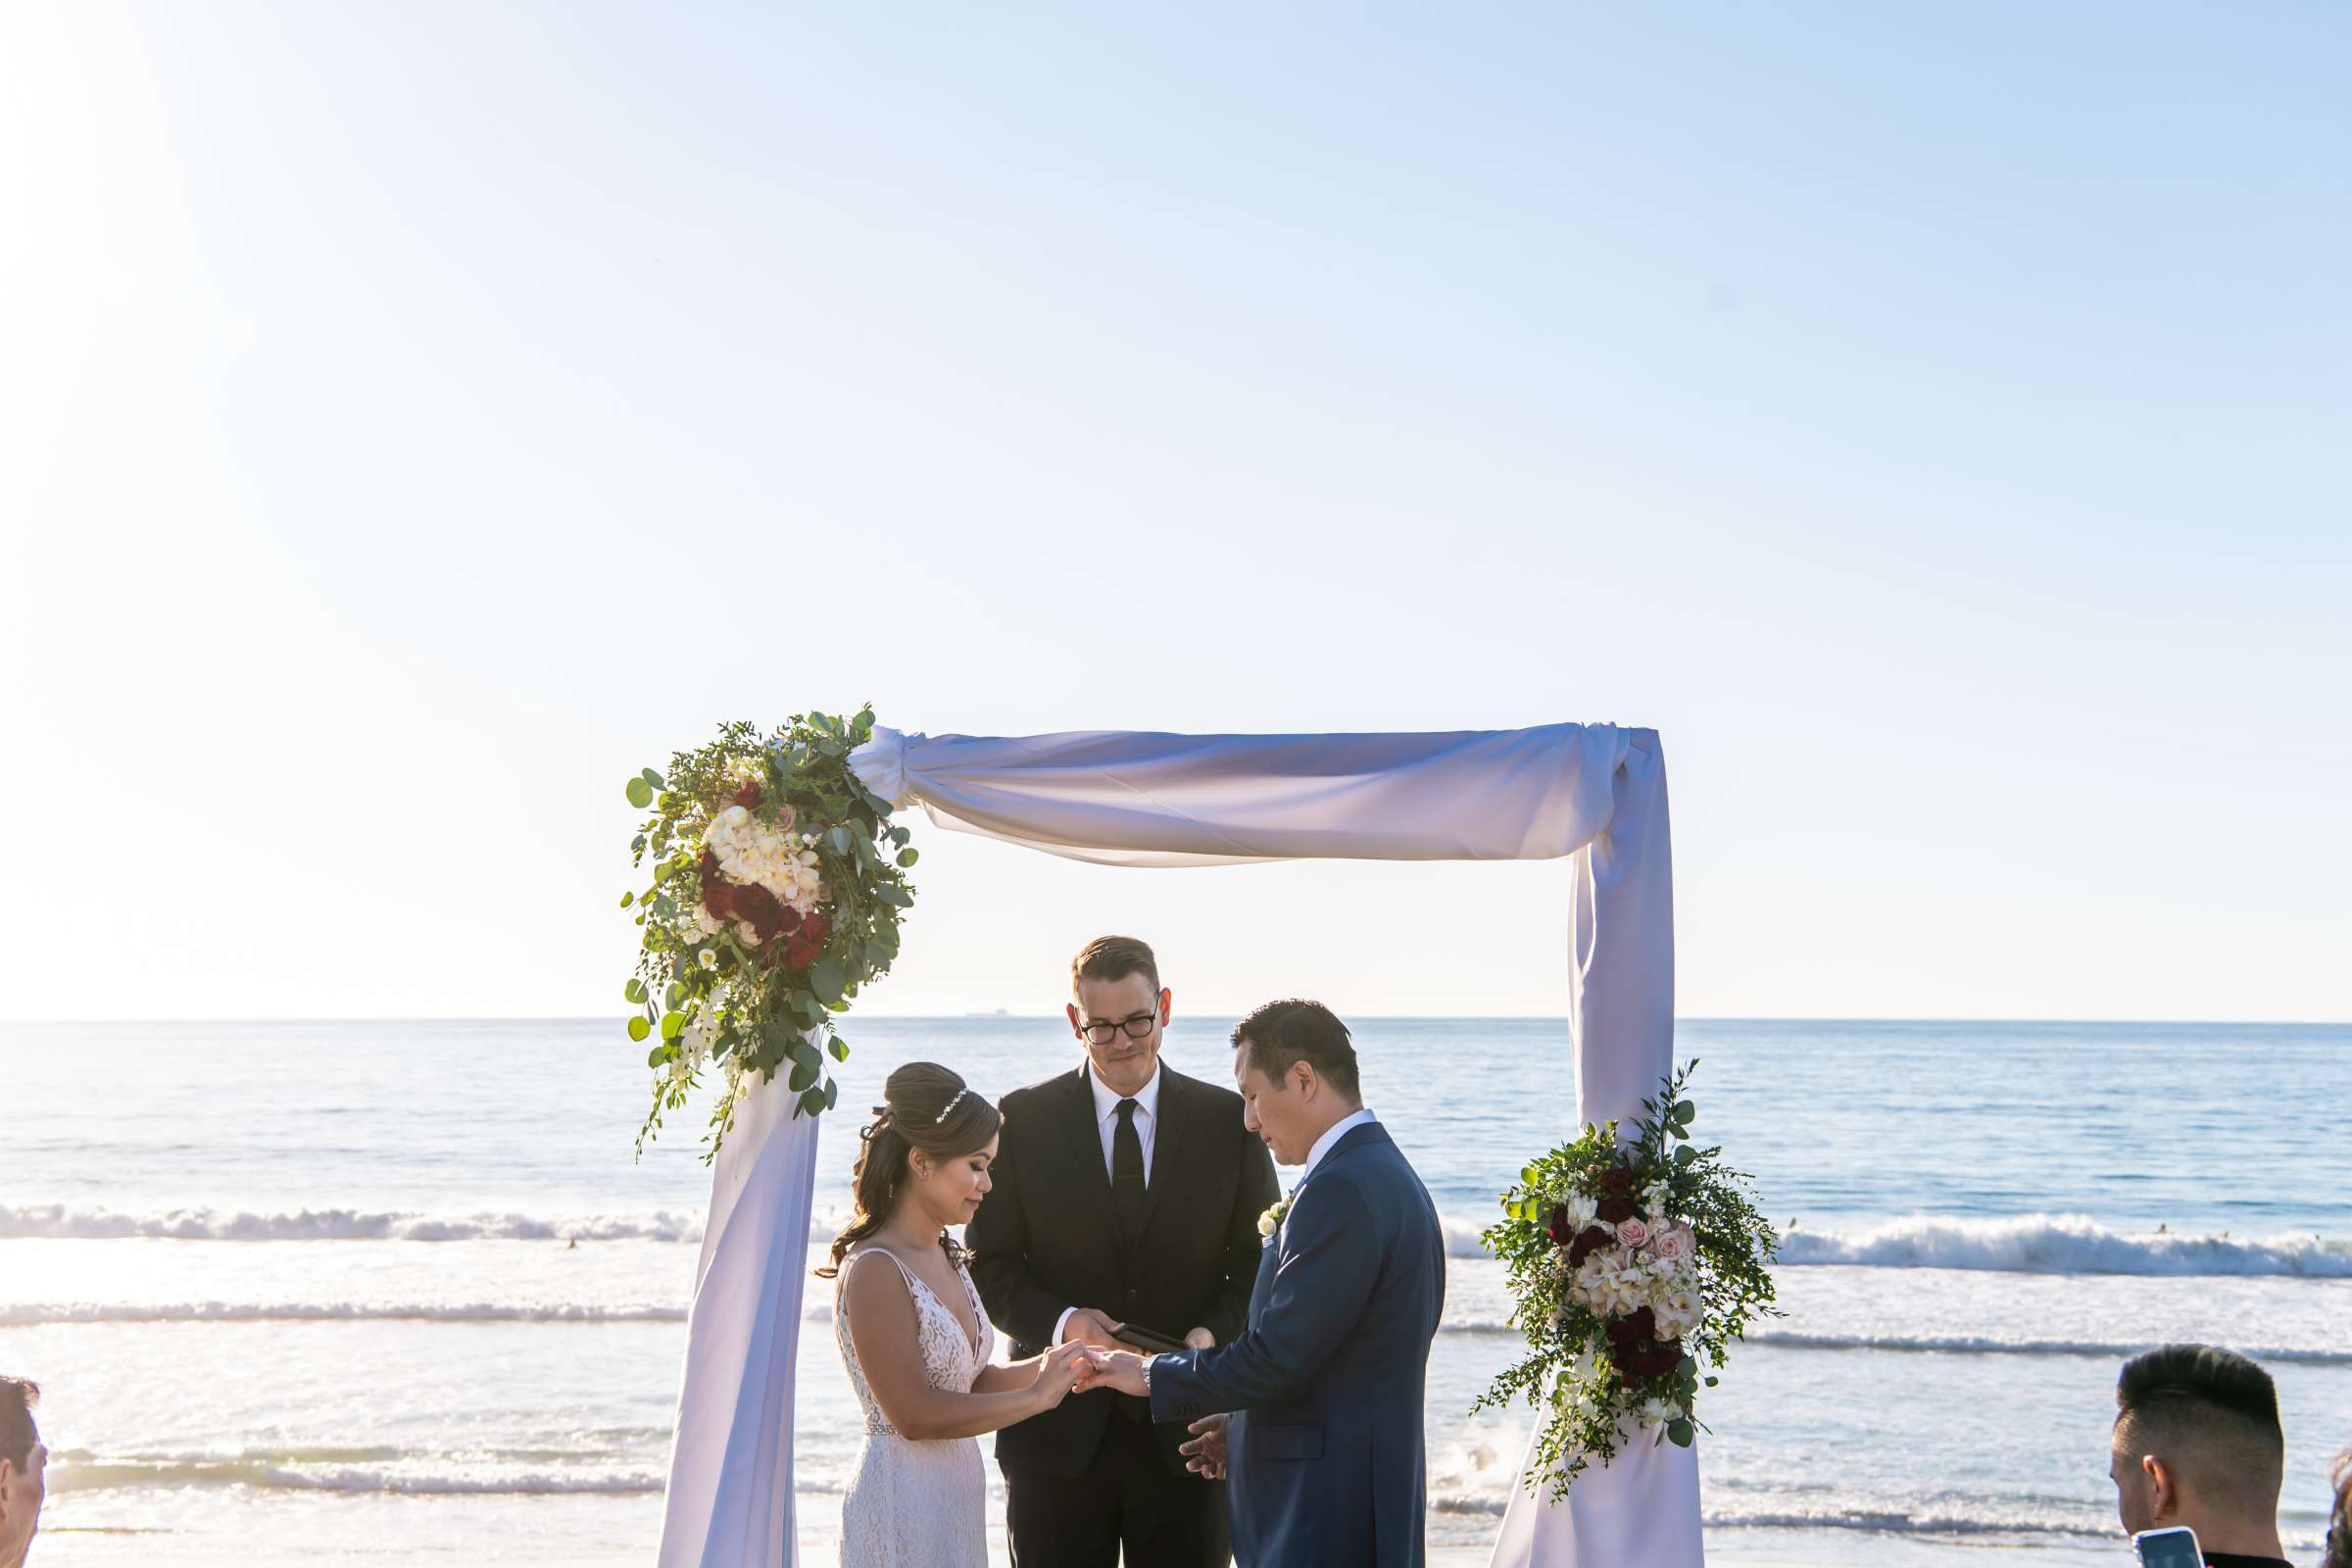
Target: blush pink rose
1632,1233
1674,1244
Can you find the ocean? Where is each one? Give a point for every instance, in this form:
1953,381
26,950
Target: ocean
392,1293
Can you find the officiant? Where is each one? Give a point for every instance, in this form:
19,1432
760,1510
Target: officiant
1125,1202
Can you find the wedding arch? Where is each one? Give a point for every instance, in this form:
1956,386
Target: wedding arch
1594,794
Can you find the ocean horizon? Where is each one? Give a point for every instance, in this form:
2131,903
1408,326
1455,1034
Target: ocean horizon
386,1290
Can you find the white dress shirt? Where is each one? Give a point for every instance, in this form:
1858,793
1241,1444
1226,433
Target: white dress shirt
1147,1117
1332,1134
1106,1123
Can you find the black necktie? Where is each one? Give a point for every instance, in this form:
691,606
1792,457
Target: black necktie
1127,1175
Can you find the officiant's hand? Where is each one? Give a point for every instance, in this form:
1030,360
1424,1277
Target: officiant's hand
1086,1326
1200,1340
1204,1455
1122,1370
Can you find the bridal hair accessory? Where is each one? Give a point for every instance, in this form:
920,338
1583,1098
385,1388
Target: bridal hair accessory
952,1102
1632,1265
774,882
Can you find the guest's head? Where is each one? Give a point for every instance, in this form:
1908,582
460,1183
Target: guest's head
1296,1068
925,1156
23,1460
1118,1010
2197,1442
2339,1519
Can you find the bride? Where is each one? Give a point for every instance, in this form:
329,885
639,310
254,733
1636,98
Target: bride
913,1337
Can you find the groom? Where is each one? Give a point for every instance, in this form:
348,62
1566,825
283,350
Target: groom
1126,1198
1324,1449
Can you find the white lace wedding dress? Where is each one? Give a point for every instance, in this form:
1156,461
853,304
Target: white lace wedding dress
917,1504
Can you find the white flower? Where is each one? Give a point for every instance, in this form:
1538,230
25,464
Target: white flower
707,923
1583,1210
1657,1412
746,933
1680,1313
1269,1223
731,820
707,958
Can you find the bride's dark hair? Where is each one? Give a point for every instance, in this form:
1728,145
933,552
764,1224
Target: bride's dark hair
928,1110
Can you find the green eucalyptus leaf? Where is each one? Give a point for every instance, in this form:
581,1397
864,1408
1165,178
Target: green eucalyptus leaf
1681,1434
639,1027
641,794
840,1049
814,1102
907,857
826,979
653,779
673,1024
833,1094
627,899
804,1074
839,838
635,991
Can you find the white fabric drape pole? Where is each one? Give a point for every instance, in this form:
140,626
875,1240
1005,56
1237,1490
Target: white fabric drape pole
730,1495
1643,1507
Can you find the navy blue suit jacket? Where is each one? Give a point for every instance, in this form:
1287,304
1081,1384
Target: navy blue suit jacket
1324,1461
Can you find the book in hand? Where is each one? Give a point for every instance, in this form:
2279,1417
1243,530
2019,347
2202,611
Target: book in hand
1150,1342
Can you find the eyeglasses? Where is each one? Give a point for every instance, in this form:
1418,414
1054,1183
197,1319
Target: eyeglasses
1136,1027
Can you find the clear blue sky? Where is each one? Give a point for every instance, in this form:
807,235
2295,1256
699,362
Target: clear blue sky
414,418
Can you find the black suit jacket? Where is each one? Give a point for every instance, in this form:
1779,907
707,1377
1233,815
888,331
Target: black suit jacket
1046,1237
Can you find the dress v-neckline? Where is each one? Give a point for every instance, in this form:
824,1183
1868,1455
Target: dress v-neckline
970,1337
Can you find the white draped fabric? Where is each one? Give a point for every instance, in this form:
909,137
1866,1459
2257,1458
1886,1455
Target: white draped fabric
1594,793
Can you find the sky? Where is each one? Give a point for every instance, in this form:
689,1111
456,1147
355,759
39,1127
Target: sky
415,419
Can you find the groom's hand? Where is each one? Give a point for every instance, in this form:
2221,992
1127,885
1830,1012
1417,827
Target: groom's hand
1200,1340
1204,1455
1122,1370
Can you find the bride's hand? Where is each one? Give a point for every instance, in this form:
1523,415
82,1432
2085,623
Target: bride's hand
1057,1373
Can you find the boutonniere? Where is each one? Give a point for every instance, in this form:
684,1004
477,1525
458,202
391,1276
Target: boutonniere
1269,1224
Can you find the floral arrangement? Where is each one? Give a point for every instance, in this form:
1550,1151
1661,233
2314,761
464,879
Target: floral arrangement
1632,1264
778,883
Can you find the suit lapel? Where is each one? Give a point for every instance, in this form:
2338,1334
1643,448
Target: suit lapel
1086,1148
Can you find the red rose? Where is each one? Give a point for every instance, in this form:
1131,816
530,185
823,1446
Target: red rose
1633,1330
1558,1228
1650,1359
718,894
1616,1210
808,941
1590,1237
748,797
759,907
1617,1180
787,917
818,927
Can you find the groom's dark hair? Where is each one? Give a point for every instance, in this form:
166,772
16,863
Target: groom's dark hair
1282,1034
1114,958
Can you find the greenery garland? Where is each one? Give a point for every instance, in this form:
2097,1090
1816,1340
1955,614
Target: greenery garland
1632,1265
778,884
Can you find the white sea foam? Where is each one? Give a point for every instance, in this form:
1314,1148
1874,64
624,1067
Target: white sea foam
56,1221
25,1316
2032,1244
269,1475
2063,1244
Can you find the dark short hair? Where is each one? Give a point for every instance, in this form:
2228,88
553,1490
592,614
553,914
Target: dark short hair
2215,1408
18,1396
1114,958
1282,1034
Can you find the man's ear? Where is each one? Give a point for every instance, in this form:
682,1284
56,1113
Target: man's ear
1076,1028
2164,1495
1167,1002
